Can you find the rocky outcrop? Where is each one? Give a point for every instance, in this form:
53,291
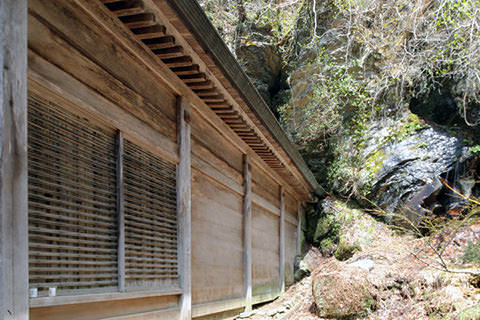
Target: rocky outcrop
396,166
261,59
404,173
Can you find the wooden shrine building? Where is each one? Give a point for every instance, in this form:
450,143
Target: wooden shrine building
141,174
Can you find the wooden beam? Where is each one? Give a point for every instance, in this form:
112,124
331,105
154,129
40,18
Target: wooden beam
13,161
229,117
218,98
144,33
141,20
125,8
180,71
299,230
101,297
201,85
247,233
166,53
183,61
184,207
158,43
208,93
282,240
234,121
120,213
194,78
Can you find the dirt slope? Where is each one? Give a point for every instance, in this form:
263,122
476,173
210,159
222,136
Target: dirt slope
405,272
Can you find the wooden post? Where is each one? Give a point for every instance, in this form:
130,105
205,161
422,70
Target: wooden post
13,161
299,230
247,233
184,207
120,213
282,240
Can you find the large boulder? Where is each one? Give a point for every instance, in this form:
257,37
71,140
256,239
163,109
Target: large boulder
403,173
343,291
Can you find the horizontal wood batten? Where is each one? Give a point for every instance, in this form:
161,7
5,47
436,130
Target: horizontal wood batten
165,314
98,297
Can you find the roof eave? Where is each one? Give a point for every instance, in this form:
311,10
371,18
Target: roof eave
195,19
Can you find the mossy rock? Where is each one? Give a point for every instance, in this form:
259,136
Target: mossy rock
323,228
346,250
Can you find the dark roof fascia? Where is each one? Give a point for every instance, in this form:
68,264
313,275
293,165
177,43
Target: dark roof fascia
207,35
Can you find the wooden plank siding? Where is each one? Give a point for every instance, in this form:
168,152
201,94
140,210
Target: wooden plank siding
265,251
216,241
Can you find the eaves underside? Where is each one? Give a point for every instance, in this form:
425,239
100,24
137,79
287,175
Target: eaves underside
224,87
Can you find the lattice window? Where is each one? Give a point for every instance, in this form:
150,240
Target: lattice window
72,202
150,220
74,213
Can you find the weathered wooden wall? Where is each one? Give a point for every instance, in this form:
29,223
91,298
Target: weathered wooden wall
217,271
74,62
265,251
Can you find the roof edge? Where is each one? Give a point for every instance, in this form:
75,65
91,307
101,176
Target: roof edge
207,35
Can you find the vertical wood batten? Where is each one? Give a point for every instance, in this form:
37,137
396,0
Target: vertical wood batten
282,239
120,212
247,232
299,229
13,161
184,207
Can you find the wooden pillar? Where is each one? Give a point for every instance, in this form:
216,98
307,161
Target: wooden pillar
120,213
13,161
282,240
184,207
299,230
247,233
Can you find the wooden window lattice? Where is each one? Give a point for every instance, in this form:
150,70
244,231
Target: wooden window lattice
72,202
73,223
150,220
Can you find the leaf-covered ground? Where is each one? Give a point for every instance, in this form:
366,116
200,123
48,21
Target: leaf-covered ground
406,273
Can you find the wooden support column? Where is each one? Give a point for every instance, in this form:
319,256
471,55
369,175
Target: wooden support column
184,207
120,213
247,233
299,230
282,240
13,161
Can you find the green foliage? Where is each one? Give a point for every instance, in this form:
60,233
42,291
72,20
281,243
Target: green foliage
281,16
336,101
475,150
472,253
